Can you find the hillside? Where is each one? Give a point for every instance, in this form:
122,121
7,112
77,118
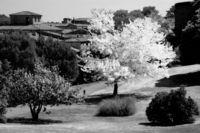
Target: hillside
82,119
133,86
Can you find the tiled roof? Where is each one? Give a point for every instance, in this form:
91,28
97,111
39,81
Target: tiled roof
85,39
81,19
26,13
37,27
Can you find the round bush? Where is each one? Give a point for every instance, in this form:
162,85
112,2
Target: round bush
117,107
172,108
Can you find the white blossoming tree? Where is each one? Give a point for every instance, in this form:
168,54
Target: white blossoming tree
138,50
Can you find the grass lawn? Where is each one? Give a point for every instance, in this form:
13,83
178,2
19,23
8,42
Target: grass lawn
82,119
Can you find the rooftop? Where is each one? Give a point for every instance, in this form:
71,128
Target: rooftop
82,19
26,13
36,27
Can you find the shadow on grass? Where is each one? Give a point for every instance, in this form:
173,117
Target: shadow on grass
155,124
23,120
190,79
162,125
95,99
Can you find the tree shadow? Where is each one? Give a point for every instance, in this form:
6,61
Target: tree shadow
190,79
162,125
95,99
23,120
152,124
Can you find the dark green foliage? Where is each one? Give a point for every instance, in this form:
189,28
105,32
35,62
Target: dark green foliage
149,10
3,119
3,96
172,108
123,17
171,12
4,66
120,18
135,14
169,24
85,77
3,105
187,32
18,50
58,53
117,107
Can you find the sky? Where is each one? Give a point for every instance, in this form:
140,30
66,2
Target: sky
56,10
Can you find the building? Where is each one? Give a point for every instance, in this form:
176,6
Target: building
80,21
25,18
4,20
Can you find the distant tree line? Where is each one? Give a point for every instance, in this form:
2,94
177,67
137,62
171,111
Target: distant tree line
19,50
122,17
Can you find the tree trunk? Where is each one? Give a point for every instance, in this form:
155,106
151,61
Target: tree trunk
35,110
115,91
34,116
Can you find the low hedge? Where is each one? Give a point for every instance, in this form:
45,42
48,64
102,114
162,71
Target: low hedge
117,107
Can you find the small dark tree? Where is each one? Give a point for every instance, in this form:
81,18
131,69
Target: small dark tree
172,108
149,10
121,17
189,40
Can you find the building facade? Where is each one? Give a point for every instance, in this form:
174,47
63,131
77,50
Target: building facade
25,18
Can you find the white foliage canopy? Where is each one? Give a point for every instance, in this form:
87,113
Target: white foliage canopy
138,50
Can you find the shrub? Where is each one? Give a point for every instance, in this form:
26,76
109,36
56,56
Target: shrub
18,50
172,108
3,119
117,107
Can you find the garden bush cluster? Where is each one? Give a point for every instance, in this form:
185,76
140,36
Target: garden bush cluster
117,107
172,108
